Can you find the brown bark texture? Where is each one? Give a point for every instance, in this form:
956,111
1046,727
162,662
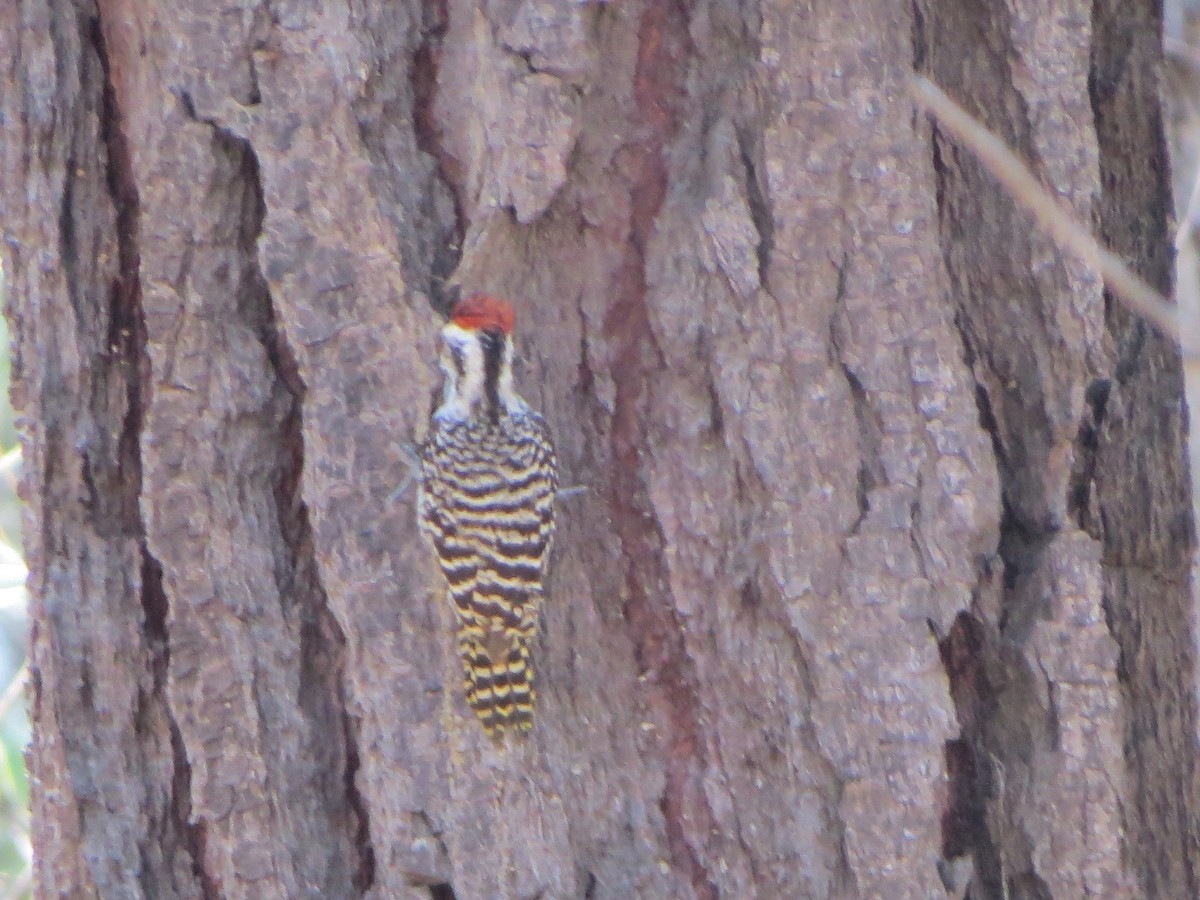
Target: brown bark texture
883,560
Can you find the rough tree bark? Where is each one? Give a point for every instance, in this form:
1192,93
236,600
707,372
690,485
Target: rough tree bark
885,550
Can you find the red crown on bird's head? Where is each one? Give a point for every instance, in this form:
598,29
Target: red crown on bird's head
483,312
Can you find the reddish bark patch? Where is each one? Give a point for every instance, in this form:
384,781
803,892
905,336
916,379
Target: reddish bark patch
652,624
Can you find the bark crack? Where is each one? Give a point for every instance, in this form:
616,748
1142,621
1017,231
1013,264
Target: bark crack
1141,513
871,471
969,651
323,642
449,171
760,206
127,345
1080,502
322,692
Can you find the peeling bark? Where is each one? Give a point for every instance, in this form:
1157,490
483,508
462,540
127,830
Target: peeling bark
882,565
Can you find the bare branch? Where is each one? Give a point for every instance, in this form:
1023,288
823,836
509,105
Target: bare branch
1186,222
14,691
1056,221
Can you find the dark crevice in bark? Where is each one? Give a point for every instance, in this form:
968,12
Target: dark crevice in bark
963,824
993,716
870,439
525,57
126,338
181,782
1140,510
68,250
969,764
322,690
990,684
322,644
1028,886
653,626
1001,722
998,695
128,356
760,206
415,181
423,75
987,417
264,20
989,768
364,874
716,416
1087,443
1131,340
871,473
443,891
87,685
920,39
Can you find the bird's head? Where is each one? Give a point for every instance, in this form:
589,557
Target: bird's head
476,359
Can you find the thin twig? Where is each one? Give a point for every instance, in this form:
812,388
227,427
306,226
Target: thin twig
1184,228
1182,50
1187,295
14,689
1049,213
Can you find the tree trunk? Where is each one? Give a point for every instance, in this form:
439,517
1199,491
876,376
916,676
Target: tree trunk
883,560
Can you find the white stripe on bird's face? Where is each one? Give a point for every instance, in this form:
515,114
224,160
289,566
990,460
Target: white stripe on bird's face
464,367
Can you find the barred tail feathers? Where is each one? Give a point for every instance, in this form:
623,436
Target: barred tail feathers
498,675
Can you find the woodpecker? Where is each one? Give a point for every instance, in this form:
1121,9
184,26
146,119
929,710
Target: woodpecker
486,504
